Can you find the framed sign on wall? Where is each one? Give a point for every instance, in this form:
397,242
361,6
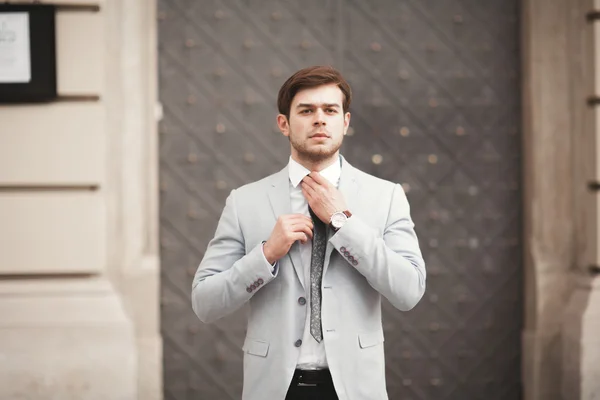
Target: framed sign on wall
27,53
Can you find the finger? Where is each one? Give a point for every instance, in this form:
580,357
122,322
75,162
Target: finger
306,230
293,217
302,223
318,178
296,218
300,236
310,181
310,200
308,191
303,226
311,197
316,187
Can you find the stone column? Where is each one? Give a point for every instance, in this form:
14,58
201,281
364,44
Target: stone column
548,193
581,326
133,176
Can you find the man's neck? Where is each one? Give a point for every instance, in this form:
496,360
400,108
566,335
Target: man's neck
316,165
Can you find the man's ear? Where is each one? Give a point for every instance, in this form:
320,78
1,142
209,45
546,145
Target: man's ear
283,124
346,122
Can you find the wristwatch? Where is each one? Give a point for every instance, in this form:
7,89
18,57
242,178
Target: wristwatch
338,219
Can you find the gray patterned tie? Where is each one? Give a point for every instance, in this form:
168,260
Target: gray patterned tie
317,260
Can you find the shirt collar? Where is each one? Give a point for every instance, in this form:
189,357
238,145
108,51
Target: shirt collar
298,172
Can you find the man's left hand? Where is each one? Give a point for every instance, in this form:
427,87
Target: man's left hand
324,198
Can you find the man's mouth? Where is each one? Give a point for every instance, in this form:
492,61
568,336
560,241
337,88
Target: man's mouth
319,135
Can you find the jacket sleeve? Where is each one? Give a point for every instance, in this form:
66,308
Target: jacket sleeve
228,277
392,264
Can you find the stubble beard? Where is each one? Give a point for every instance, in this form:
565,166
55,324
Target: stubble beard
314,155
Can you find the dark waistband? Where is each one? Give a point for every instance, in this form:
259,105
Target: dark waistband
311,376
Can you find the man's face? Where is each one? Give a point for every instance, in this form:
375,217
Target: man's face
317,123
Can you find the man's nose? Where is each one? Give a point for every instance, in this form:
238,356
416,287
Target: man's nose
319,118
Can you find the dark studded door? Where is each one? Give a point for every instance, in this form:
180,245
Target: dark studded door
436,108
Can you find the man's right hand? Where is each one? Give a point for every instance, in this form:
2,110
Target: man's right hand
287,230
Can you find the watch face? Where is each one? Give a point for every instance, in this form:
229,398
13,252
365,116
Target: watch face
338,219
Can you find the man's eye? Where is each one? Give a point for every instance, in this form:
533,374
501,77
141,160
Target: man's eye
331,110
305,111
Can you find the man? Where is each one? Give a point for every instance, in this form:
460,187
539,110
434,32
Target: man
312,249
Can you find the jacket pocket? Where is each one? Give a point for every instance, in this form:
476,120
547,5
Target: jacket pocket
256,347
370,339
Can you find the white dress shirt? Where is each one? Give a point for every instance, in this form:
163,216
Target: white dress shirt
312,353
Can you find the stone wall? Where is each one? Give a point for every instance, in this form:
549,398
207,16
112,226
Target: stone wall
79,316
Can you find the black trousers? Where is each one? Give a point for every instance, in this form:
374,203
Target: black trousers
311,385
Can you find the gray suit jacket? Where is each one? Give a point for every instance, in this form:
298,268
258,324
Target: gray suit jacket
375,253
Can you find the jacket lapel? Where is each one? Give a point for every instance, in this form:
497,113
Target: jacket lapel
349,189
279,196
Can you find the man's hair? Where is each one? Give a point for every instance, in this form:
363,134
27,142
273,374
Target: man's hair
309,78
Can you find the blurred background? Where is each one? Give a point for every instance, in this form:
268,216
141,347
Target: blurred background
485,112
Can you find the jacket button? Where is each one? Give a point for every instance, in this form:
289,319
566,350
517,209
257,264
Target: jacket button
342,249
347,253
354,262
260,281
249,289
298,343
301,301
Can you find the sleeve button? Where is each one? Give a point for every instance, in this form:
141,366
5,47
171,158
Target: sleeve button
249,289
